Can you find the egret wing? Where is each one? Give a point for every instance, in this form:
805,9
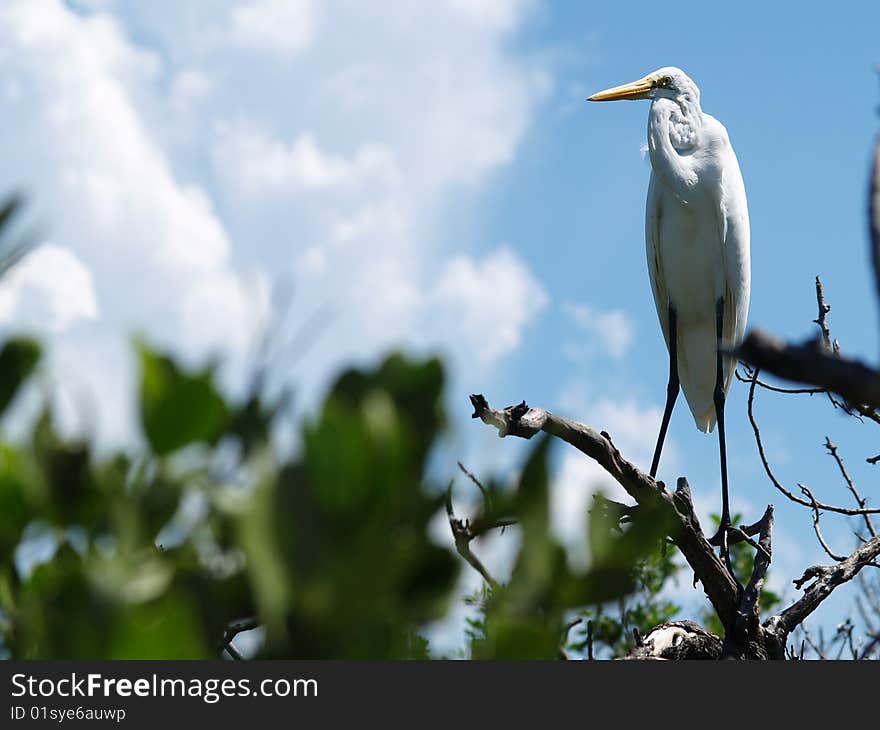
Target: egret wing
695,339
734,234
655,265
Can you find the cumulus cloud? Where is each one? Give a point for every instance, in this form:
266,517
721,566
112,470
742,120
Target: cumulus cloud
487,304
609,332
261,164
129,232
186,161
49,291
499,14
283,26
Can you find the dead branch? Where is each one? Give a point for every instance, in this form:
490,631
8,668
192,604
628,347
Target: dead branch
835,454
464,531
823,312
477,482
816,516
524,422
874,215
825,579
748,619
774,388
773,479
233,630
810,363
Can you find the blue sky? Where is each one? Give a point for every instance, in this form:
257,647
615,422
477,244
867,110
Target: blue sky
798,94
432,173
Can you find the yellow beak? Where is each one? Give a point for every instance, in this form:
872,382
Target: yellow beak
633,90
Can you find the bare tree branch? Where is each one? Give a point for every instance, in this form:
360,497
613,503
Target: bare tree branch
774,388
816,515
818,649
233,630
776,483
748,618
823,312
812,364
874,215
469,475
463,531
825,579
524,422
833,451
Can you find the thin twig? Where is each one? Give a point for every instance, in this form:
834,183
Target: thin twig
831,554
564,640
476,481
462,534
823,311
825,578
832,449
233,630
775,388
811,364
870,646
776,483
811,643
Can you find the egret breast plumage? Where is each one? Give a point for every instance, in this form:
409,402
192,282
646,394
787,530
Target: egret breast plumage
697,242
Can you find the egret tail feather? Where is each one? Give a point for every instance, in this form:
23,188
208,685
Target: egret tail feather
697,352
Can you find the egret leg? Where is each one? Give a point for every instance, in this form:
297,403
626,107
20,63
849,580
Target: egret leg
671,390
721,536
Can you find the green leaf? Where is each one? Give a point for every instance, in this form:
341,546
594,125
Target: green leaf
167,628
352,515
178,408
18,358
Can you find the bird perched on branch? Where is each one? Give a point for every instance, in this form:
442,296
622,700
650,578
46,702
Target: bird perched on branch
697,236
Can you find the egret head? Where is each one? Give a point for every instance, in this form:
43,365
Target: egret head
668,82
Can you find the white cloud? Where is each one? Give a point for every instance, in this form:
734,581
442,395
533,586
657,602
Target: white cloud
47,292
150,247
487,304
610,332
187,170
261,164
496,14
282,26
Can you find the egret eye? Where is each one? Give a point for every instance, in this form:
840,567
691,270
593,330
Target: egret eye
666,81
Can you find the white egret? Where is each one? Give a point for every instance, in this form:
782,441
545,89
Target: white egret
697,236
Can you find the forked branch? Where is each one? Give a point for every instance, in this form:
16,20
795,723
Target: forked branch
825,579
466,530
524,422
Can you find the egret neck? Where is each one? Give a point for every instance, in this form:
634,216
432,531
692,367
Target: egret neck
674,129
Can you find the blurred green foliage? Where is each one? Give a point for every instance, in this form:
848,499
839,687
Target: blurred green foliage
156,552
153,554
329,549
643,608
528,616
